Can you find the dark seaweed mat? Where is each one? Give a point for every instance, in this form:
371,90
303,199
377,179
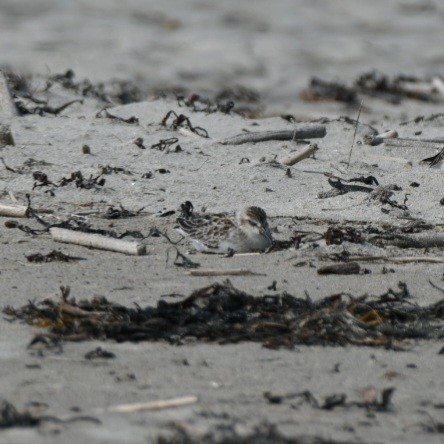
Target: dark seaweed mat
262,434
224,314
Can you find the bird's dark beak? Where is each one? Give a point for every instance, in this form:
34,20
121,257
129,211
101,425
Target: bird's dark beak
266,233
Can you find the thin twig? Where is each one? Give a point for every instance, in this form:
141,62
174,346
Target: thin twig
354,134
399,260
228,272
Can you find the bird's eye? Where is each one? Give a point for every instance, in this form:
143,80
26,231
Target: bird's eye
252,223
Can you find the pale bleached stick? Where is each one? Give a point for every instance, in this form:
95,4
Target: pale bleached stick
308,132
399,260
214,272
379,138
13,210
300,155
97,241
153,405
7,105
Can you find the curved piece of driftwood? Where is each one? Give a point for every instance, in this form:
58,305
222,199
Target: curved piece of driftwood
96,241
308,132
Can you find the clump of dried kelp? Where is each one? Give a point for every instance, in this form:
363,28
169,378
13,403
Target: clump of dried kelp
263,433
225,314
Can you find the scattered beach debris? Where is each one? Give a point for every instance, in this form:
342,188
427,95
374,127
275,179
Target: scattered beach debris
337,235
369,403
204,105
263,433
321,90
99,353
180,120
224,314
375,84
130,120
163,144
11,417
41,180
121,213
52,256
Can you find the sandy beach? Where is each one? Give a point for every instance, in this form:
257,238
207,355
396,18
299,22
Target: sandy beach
134,70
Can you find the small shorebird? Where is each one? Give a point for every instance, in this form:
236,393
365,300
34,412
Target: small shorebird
436,161
222,233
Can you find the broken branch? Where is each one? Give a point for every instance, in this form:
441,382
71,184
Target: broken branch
308,132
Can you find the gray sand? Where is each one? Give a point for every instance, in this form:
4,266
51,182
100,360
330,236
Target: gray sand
209,46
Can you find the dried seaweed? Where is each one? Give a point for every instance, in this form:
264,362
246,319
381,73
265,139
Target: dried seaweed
11,417
52,256
130,120
41,180
224,314
263,433
337,235
120,213
322,90
180,120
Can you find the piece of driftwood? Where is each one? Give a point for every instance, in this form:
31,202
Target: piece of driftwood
153,405
228,272
13,210
6,136
399,260
308,132
343,268
7,105
379,138
97,241
428,240
300,154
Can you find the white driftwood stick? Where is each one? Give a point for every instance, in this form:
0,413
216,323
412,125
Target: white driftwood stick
214,272
153,405
438,84
13,210
97,241
7,105
426,88
300,155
